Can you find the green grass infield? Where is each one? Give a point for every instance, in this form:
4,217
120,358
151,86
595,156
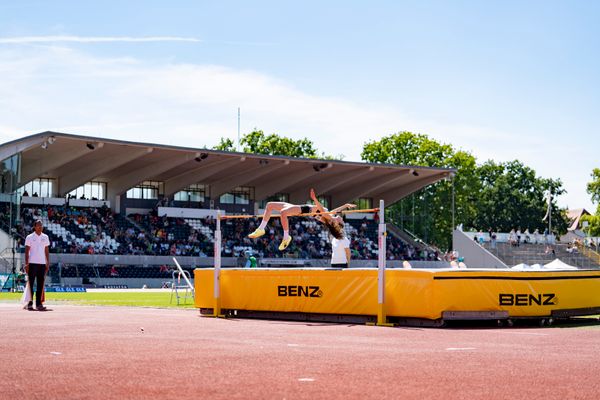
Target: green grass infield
130,299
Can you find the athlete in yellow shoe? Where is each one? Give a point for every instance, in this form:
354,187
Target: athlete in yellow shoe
257,233
285,243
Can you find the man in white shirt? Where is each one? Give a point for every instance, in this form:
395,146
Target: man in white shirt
340,252
37,261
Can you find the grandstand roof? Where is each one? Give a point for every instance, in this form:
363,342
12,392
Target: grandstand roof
74,160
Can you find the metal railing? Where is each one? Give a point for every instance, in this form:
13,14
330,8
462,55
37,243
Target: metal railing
589,253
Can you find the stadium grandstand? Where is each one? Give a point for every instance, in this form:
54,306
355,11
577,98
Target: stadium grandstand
119,209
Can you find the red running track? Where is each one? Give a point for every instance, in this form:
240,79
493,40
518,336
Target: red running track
77,352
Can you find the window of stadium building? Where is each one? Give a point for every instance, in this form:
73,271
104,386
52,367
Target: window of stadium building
239,195
9,171
146,190
364,203
41,187
325,200
192,193
92,191
276,197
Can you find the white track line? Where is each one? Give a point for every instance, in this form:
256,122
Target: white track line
460,348
528,333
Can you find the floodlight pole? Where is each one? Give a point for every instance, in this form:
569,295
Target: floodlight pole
550,215
453,206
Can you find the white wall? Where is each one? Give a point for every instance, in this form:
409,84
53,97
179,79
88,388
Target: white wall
474,255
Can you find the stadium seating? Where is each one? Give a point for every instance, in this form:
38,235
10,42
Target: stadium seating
100,231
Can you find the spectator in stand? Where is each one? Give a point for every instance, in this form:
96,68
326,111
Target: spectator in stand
550,249
95,229
512,238
250,260
527,236
492,238
165,269
113,271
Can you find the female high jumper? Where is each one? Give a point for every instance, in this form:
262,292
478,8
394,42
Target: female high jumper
333,222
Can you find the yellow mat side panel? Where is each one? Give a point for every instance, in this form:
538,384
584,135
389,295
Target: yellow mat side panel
522,294
306,291
408,293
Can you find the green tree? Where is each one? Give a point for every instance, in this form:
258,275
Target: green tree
225,144
593,228
512,196
428,213
257,142
593,188
501,196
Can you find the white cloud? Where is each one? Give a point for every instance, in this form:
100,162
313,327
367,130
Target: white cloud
60,89
92,39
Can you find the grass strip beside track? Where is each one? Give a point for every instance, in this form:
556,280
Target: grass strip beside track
161,300
130,299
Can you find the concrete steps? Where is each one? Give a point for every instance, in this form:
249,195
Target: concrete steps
536,254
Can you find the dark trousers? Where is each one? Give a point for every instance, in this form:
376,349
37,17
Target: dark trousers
37,272
345,265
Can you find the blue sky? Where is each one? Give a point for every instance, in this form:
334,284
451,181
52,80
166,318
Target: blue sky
505,80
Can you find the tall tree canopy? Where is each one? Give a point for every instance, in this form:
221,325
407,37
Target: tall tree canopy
225,144
500,196
258,143
428,213
512,196
593,188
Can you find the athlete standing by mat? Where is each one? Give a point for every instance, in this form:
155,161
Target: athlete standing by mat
340,252
37,260
334,223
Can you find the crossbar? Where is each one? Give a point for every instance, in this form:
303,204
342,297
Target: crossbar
243,216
